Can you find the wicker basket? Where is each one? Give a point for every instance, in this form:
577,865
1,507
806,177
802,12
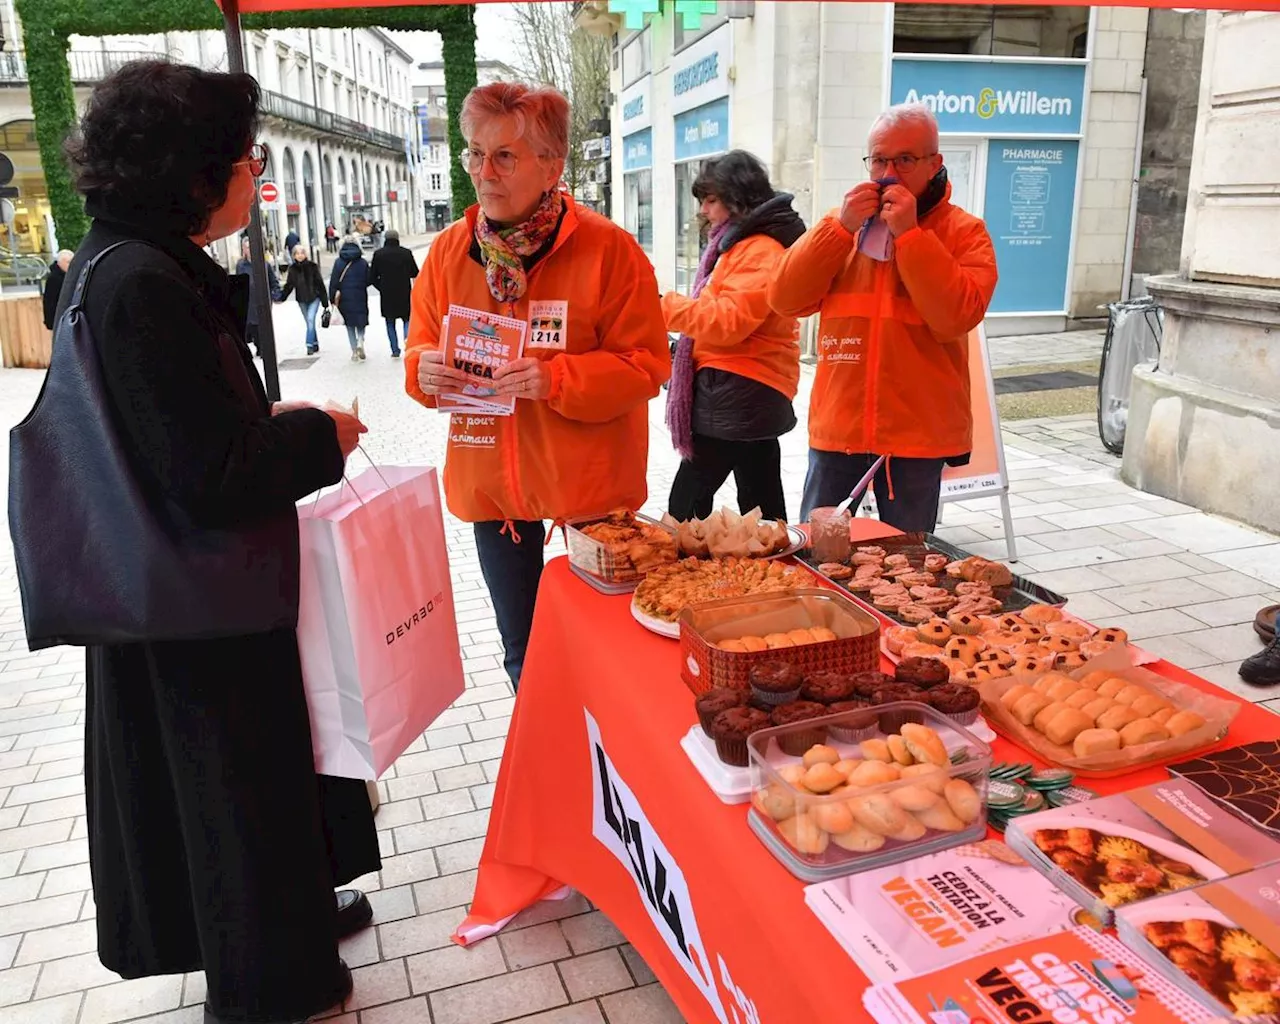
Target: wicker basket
704,666
591,556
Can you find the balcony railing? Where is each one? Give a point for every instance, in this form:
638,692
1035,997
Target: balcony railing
86,65
326,121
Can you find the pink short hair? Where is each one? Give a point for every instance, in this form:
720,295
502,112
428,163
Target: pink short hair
541,113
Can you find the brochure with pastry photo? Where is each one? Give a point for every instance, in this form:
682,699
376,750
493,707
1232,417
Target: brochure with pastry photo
1244,778
1220,943
1117,850
478,344
1078,976
901,920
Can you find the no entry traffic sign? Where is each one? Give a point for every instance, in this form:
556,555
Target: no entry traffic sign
268,192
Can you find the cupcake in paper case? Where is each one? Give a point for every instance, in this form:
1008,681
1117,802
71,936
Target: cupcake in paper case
865,685
893,721
797,742
958,702
856,722
731,728
776,682
827,687
711,703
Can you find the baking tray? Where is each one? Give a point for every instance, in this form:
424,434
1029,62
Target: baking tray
1021,594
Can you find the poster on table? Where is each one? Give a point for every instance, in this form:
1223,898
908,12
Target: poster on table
984,473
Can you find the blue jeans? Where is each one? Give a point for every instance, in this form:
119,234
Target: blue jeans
916,486
355,337
511,572
391,334
309,311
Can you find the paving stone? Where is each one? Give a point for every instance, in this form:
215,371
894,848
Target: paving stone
635,962
589,932
56,855
52,810
62,1010
35,914
459,856
460,777
399,812
647,1005
409,786
406,1011
128,999
54,943
444,830
1230,583
1145,597
529,947
499,999
19,889
578,1013
408,867
18,985
1225,643
573,905
361,949
448,803
392,904
455,965
483,795
417,934
8,950
594,974
1224,612
453,890
378,983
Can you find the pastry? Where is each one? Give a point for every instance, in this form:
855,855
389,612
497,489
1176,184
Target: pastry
730,729
1069,661
1042,614
1093,648
858,840
873,773
1082,697
920,649
625,546
1008,621
1095,741
935,562
774,802
920,672
1065,726
1143,730
1015,693
796,742
915,613
1028,630
964,624
846,767
971,676
877,813
1183,722
711,703
799,637
1112,634
1077,631
819,754
1002,638
876,750
930,776
793,774
754,643
1097,706
734,646
964,649
913,798
925,745
822,635
1058,644
1026,707
896,637
1062,689
1028,667
963,800
667,590
1047,714
935,631
835,570
957,701
827,687
990,670
803,833
1110,687
834,816
822,778
775,682
1117,717
1131,693
898,749
1148,704
940,818
777,641
911,830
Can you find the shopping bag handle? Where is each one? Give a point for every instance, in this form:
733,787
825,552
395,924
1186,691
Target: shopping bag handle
346,480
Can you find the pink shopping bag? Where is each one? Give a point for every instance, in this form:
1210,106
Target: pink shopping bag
376,626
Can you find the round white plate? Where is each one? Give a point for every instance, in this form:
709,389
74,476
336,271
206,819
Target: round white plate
671,630
798,541
1054,820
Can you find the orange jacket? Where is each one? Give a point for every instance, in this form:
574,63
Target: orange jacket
585,448
893,351
731,324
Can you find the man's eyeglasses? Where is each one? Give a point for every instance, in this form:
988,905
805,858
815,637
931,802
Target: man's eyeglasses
504,161
905,162
257,160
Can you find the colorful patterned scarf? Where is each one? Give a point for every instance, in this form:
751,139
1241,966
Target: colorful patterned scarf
680,390
502,248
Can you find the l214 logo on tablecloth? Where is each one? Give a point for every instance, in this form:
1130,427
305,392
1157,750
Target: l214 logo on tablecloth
619,822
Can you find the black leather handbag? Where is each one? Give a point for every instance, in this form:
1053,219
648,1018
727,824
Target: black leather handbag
102,558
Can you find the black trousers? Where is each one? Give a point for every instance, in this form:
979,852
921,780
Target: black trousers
916,484
512,571
756,467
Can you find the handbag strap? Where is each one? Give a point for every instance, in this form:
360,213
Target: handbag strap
343,276
86,272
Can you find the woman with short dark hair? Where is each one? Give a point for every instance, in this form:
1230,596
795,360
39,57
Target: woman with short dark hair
213,843
737,365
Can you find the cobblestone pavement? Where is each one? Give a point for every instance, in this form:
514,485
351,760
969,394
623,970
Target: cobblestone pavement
1184,584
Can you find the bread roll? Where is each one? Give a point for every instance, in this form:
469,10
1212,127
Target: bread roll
925,745
1027,707
1112,686
877,812
930,776
911,830
913,798
1067,725
846,766
1011,695
858,840
1097,706
873,773
822,778
734,646
898,748
876,750
1131,693
1095,679
1164,715
820,753
1062,689
1149,704
1047,714
821,634
1095,741
1182,722
963,800
804,835
1082,697
1117,717
776,641
940,818
1143,730
774,802
793,774
799,637
832,817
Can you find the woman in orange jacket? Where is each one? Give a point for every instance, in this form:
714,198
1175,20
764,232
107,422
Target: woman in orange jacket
595,352
737,364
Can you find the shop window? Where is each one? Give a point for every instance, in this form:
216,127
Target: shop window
638,206
688,226
991,30
637,57
682,37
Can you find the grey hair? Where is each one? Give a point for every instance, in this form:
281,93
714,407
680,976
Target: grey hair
908,114
391,235
541,113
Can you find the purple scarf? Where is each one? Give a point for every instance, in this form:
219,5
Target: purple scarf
680,390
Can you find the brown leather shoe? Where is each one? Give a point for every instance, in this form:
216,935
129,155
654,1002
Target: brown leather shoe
1264,623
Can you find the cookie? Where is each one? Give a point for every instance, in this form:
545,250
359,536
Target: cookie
835,570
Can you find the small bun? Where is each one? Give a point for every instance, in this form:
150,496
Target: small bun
1063,689
876,750
898,748
1111,686
1095,679
1163,715
879,814
1067,725
1148,704
801,636
1143,730
1117,717
1131,693
1028,706
734,646
803,833
1047,714
1097,706
1082,697
925,745
1095,741
754,643
941,818
776,641
1015,693
963,800
819,753
822,635
1183,722
873,773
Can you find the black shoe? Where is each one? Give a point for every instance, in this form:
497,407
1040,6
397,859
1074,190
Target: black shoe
354,912
340,995
1263,668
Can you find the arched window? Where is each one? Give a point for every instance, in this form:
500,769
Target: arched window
291,206
309,196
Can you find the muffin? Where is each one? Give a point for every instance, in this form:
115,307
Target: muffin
797,742
711,703
892,721
923,673
827,687
856,723
776,682
730,730
957,701
865,685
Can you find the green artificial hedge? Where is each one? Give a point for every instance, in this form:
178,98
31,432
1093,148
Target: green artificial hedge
47,26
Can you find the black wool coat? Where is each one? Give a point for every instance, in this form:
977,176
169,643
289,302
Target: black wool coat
393,270
214,845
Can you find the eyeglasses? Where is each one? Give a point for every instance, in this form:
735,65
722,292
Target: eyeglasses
503,161
257,160
905,162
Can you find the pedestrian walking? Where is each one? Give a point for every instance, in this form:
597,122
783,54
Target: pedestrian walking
349,289
291,241
245,268
305,282
392,271
53,286
331,237
213,844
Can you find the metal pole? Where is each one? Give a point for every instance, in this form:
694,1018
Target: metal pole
257,249
315,102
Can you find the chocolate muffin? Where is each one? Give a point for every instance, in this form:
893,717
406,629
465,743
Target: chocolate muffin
827,687
893,721
865,685
711,703
798,741
776,682
856,723
923,672
956,701
730,730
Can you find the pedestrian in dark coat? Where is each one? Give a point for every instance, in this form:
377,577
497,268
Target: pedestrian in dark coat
245,268
213,844
53,286
304,281
291,241
392,271
349,290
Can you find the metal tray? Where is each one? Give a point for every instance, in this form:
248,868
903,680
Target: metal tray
1021,594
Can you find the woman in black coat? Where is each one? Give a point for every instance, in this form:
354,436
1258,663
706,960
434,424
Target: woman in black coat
305,282
213,843
392,271
349,290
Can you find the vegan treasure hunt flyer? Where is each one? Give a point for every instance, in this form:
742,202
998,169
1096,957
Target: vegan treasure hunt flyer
478,343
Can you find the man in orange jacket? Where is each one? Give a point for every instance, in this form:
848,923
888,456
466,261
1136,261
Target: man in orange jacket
900,277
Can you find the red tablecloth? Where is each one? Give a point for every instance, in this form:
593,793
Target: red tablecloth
595,793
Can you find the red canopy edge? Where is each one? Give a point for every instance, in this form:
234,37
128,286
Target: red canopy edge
269,6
